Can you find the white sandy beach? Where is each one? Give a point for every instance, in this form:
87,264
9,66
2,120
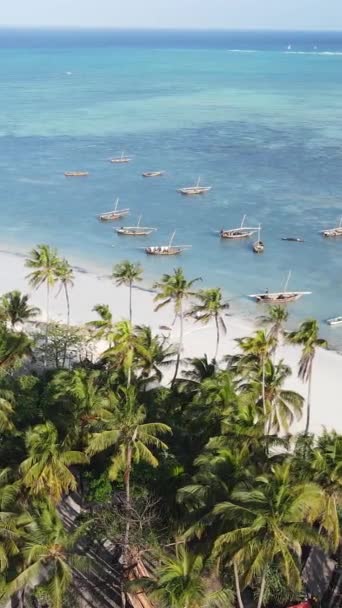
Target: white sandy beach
91,289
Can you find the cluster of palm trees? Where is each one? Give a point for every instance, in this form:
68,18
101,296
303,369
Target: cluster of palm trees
241,501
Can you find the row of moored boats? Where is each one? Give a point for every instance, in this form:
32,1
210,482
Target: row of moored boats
241,232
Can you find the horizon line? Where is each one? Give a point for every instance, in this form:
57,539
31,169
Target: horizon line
162,29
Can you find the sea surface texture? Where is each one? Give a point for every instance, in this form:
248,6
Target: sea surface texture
258,116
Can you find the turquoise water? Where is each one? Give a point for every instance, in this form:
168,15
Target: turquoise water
263,127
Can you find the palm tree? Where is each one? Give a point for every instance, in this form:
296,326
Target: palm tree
127,273
11,521
46,469
157,353
307,335
258,347
211,307
88,401
49,555
127,348
282,405
6,410
104,327
180,581
15,308
65,276
130,438
319,459
176,289
269,523
13,347
276,318
44,262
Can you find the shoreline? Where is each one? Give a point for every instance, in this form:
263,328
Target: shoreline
91,288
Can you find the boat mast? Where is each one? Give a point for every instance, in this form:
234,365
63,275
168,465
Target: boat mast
139,220
198,182
243,221
287,280
171,239
116,204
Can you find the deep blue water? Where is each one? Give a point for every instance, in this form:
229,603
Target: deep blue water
263,127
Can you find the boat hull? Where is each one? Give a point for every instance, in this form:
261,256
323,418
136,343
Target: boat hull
278,298
171,251
76,174
242,235
139,232
193,191
336,321
113,216
153,174
119,161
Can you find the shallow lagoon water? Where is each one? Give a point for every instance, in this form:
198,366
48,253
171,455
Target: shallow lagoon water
264,128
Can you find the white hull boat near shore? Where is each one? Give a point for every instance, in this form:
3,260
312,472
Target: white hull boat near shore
335,321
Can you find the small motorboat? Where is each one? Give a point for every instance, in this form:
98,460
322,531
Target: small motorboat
153,173
335,321
293,239
76,173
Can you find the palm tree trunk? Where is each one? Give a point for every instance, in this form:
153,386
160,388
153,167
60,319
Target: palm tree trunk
125,557
217,337
130,302
263,387
237,585
308,405
180,343
47,322
67,303
262,591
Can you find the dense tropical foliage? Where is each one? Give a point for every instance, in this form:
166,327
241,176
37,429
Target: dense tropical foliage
181,479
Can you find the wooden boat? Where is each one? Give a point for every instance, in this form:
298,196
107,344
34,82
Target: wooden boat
279,297
242,232
258,246
292,238
120,159
110,216
197,189
153,173
76,173
331,232
135,230
167,249
335,321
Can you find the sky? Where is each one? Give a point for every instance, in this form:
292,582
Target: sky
225,14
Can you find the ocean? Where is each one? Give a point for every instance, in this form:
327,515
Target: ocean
258,115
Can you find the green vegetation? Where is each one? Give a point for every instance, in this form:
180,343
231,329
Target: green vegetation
184,471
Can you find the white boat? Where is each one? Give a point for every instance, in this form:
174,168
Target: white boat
153,173
116,214
242,232
120,159
258,246
167,249
279,297
335,321
197,189
331,232
135,230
